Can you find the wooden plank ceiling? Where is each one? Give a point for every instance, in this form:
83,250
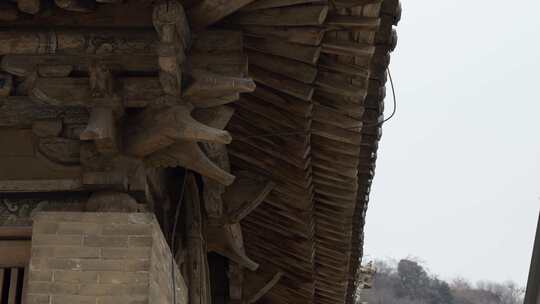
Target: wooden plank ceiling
320,69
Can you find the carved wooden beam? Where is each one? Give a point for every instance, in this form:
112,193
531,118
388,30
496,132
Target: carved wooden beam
47,128
77,42
227,240
258,283
71,91
189,155
102,123
20,111
23,65
157,128
83,6
216,117
205,87
60,150
171,24
102,129
30,6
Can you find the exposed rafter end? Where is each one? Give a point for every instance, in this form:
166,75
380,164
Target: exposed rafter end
258,283
245,194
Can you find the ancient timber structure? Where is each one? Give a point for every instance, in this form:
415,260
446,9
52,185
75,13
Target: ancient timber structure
196,151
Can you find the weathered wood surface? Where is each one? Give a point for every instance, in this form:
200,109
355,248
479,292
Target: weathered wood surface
284,16
30,6
209,90
23,65
337,59
227,240
245,194
302,53
14,254
264,4
197,264
19,111
171,24
216,117
257,284
76,42
83,6
158,128
133,13
208,12
189,155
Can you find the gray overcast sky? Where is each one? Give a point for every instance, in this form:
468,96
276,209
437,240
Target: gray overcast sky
458,176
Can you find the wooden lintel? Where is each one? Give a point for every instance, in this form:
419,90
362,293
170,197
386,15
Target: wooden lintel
15,232
23,65
14,253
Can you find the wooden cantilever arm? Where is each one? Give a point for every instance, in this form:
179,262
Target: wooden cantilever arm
157,128
227,240
188,154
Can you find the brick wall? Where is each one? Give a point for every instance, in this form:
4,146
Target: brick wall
100,258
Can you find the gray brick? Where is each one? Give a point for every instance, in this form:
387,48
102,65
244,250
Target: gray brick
141,218
38,264
65,252
137,265
129,229
43,227
63,264
102,265
140,241
105,218
77,252
113,277
40,276
75,277
113,289
123,300
56,240
72,299
37,299
52,288
42,251
133,252
79,228
105,241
